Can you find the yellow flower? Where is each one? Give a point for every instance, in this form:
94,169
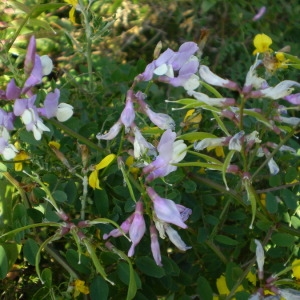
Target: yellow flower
222,286
93,178
296,268
80,287
252,278
129,163
262,43
262,199
281,60
74,4
54,144
22,155
191,118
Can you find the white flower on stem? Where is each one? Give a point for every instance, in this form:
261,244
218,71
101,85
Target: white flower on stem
281,90
175,238
208,76
273,167
140,144
260,258
209,142
7,150
252,80
235,141
112,133
289,120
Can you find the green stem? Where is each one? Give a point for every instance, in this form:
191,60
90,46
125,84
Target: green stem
76,135
214,248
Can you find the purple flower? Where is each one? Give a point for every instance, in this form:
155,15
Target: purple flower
137,228
155,249
169,152
6,119
167,211
183,62
162,121
12,90
260,13
293,98
29,115
62,111
124,226
128,114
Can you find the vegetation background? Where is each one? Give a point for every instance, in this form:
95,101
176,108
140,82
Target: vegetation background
123,37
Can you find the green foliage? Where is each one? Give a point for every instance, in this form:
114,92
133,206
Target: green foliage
52,222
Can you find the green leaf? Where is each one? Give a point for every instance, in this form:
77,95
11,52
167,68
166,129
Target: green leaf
225,167
232,274
149,267
3,167
189,186
223,239
47,277
271,203
3,263
283,239
196,136
30,250
123,270
42,293
84,266
71,191
60,196
99,289
258,117
290,199
203,289
291,174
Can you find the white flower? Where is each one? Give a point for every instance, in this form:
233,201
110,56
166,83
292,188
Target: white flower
218,102
290,120
64,112
209,142
273,167
260,258
207,75
252,80
290,294
281,90
235,141
192,83
47,64
253,136
179,151
176,239
112,133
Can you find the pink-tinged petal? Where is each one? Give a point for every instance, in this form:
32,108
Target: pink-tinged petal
260,13
112,133
165,209
155,249
137,228
128,114
117,232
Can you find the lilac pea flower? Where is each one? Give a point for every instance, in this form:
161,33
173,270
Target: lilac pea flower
165,209
8,151
12,90
162,121
137,228
128,114
28,112
155,249
293,98
62,111
169,152
117,232
208,76
30,56
112,133
6,119
260,13
176,239
184,212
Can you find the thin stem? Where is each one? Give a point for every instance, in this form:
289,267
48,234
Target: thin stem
218,252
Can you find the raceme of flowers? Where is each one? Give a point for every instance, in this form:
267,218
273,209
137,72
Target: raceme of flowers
23,102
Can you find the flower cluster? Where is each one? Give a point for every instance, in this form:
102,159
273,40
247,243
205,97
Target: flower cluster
23,100
176,69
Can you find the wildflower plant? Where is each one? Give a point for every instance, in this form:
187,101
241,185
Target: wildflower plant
123,195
